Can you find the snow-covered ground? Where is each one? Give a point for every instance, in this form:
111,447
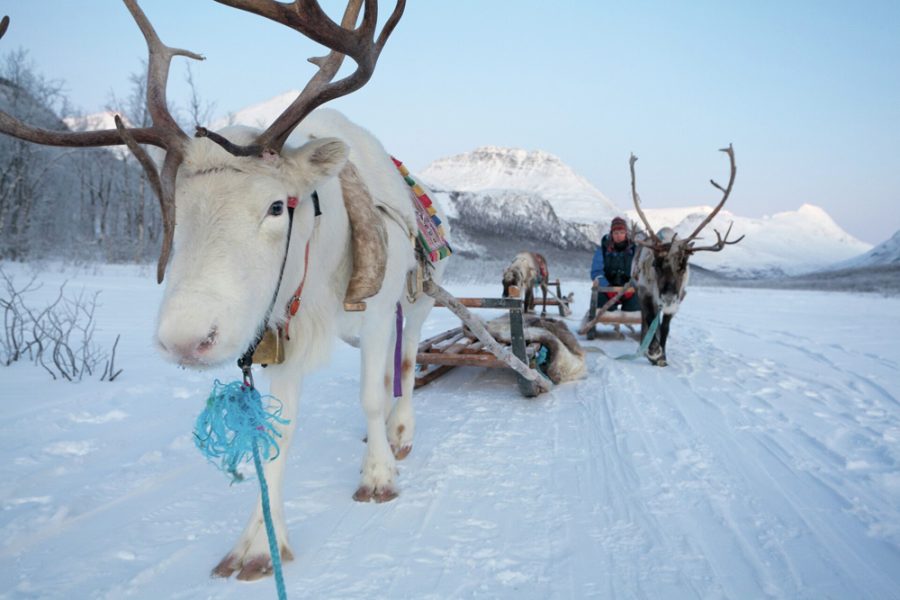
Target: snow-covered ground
762,463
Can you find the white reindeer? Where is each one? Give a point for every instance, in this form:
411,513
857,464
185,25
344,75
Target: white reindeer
230,201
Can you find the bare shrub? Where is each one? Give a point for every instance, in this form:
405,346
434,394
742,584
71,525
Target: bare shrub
59,338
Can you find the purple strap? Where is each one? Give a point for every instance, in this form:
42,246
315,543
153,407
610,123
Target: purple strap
398,347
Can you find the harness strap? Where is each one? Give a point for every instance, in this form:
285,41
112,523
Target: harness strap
398,352
645,343
245,362
294,304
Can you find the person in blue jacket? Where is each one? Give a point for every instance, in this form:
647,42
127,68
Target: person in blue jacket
612,266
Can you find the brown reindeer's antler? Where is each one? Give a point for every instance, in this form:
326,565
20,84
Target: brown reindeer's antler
164,133
637,206
720,243
726,191
360,44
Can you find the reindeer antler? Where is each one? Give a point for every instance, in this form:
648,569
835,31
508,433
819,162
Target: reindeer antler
304,16
308,18
164,133
726,191
637,206
720,243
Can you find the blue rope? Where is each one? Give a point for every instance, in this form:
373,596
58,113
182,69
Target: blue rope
270,527
235,426
645,343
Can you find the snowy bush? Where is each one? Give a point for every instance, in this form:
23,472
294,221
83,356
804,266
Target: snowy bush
59,338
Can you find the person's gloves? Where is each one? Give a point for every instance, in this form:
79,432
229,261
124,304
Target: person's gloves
628,294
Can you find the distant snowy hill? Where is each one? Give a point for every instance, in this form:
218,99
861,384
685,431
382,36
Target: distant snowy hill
885,253
259,115
511,213
93,122
494,192
786,243
572,197
98,121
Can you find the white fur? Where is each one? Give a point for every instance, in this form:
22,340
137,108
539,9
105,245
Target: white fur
227,254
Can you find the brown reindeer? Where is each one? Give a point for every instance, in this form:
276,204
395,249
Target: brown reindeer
527,270
660,269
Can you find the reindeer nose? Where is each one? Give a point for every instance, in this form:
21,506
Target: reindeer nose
189,351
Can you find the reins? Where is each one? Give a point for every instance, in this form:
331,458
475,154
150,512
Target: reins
645,343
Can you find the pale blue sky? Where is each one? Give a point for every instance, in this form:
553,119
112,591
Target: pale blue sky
807,91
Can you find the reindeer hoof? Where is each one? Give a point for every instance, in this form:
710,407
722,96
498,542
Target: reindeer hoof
251,569
367,494
226,567
402,452
255,568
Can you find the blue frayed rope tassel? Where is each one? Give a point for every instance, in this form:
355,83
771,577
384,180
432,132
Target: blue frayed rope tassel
236,427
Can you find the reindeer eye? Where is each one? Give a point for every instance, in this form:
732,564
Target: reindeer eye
276,208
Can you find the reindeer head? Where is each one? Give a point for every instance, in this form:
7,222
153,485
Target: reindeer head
231,243
231,200
662,267
512,278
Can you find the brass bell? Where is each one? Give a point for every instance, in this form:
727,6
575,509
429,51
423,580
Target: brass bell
270,350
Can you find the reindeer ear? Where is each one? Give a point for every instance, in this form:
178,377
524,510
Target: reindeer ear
318,160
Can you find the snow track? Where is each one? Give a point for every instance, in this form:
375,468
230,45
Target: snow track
761,463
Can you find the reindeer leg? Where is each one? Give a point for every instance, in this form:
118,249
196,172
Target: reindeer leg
401,424
529,299
544,292
648,314
250,555
379,467
663,336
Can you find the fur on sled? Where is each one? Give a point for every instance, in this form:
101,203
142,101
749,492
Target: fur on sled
566,357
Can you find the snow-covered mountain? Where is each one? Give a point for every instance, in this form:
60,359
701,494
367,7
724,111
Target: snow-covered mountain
512,213
97,121
786,243
259,115
533,195
93,122
885,253
572,197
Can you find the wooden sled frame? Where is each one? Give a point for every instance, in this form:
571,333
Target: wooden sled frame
476,347
602,316
554,299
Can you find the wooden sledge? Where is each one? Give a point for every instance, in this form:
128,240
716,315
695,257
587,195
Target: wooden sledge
616,319
475,347
556,299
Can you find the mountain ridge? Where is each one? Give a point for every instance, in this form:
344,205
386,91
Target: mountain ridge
533,195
